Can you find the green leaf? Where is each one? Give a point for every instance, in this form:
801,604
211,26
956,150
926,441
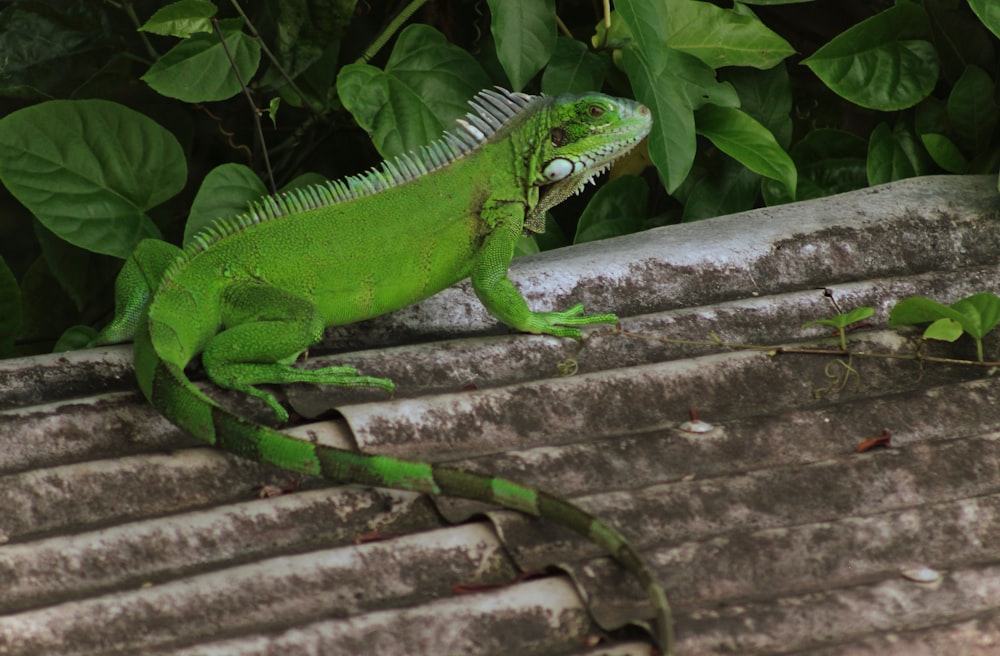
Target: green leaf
981,312
918,309
525,35
74,338
51,49
573,69
988,12
945,153
83,275
828,161
960,38
977,314
672,92
944,329
877,63
972,110
766,96
648,24
618,208
844,319
723,37
425,86
181,19
89,170
894,154
10,309
747,141
225,192
46,309
198,69
730,189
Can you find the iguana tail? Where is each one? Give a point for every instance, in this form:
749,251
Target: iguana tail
171,392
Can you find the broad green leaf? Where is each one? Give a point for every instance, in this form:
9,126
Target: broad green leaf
723,37
525,35
988,12
307,38
74,338
894,154
918,309
766,96
198,69
225,192
46,309
747,141
844,319
181,19
681,84
729,189
425,86
945,153
977,315
960,38
10,309
51,49
972,110
89,170
828,162
981,312
304,180
672,142
83,275
526,246
648,25
880,63
618,208
944,329
573,69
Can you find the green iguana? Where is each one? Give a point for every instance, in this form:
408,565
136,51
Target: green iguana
251,293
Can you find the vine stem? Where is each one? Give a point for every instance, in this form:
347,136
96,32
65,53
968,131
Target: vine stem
253,105
389,30
779,349
270,55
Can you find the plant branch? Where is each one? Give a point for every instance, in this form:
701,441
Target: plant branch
253,105
389,30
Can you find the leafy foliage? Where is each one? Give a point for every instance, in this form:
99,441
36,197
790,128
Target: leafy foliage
127,120
974,315
842,321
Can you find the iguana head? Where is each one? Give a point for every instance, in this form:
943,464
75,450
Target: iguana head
585,134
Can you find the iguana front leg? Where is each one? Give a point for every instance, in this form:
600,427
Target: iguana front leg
499,295
266,329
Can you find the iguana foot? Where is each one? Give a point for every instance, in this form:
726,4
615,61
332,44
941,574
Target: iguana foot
558,323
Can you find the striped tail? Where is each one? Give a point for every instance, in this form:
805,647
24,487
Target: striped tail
172,393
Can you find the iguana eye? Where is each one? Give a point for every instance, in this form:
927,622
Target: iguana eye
558,137
558,169
595,111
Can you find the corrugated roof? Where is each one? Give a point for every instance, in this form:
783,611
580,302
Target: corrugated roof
770,534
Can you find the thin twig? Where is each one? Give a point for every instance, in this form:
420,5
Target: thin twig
253,106
389,30
274,60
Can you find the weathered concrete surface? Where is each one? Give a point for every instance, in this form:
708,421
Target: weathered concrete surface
769,532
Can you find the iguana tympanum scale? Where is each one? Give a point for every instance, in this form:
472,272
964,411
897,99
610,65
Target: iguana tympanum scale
251,293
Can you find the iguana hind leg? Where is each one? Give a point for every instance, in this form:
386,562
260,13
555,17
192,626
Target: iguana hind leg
257,346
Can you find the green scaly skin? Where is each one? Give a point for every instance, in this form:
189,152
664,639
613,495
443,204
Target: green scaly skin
253,292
